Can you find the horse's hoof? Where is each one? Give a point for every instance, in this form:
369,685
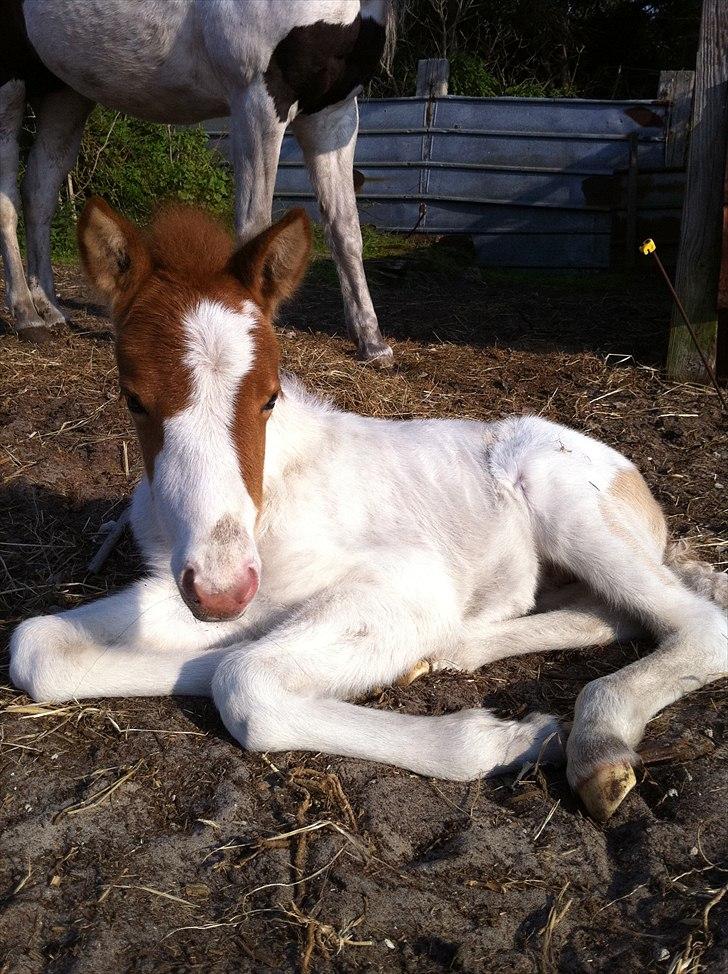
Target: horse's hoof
376,356
420,668
604,792
35,335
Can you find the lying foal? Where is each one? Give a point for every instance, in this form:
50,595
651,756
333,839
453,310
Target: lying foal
299,556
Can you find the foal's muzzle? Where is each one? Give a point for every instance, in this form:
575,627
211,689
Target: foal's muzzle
222,605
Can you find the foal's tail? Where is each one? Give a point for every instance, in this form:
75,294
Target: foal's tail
697,575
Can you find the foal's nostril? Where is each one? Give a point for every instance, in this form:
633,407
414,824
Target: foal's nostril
248,586
188,585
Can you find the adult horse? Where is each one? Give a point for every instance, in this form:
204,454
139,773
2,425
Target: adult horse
266,63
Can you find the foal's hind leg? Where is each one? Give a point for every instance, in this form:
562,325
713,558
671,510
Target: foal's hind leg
60,121
328,140
614,540
17,296
572,619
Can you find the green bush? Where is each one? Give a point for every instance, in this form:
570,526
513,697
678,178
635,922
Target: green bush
135,165
470,76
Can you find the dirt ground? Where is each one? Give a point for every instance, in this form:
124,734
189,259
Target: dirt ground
135,835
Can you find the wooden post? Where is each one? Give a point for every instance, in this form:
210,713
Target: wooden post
701,230
432,77
676,88
721,365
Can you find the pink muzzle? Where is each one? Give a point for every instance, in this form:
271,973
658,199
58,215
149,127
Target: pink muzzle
218,606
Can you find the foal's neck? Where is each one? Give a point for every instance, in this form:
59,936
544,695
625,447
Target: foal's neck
299,431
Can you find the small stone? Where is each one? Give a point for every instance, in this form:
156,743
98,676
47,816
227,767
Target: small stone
672,792
694,851
197,891
389,943
55,880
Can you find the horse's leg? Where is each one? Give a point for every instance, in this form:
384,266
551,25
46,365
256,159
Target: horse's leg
284,692
256,134
17,296
142,641
328,140
60,121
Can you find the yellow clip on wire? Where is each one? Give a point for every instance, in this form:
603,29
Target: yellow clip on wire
648,246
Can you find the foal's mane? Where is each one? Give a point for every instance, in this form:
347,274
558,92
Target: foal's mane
187,242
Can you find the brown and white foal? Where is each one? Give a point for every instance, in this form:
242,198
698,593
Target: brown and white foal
299,556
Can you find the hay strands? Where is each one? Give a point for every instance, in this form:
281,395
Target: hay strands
99,797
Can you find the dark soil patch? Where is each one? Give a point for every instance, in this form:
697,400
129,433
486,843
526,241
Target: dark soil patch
207,858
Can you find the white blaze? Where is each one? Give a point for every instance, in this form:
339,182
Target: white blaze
197,484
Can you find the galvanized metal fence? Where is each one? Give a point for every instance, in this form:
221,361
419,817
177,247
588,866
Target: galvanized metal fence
536,182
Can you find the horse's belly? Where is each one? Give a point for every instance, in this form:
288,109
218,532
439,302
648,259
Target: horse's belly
145,57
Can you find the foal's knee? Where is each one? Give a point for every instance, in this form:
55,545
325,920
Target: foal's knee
252,704
42,654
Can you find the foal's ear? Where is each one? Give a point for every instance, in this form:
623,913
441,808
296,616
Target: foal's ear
113,252
272,264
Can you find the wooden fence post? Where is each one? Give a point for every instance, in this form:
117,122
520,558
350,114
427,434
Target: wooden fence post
432,77
721,365
701,230
676,87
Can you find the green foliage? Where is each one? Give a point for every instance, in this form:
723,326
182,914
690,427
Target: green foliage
469,75
531,88
544,48
135,165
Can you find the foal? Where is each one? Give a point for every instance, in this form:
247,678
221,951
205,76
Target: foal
300,555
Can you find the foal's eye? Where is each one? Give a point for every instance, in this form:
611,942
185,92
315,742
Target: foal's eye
271,403
134,405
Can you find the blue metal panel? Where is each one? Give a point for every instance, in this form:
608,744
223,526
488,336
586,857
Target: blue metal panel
535,180
598,153
552,115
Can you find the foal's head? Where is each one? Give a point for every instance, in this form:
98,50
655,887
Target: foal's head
198,367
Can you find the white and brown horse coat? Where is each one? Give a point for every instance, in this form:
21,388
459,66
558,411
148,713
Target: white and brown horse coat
266,63
300,556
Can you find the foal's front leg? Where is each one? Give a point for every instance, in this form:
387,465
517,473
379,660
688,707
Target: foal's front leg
284,692
142,641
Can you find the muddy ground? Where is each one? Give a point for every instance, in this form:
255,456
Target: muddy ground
136,836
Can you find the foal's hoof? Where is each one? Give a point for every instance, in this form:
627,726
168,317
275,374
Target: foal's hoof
604,792
420,668
35,335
